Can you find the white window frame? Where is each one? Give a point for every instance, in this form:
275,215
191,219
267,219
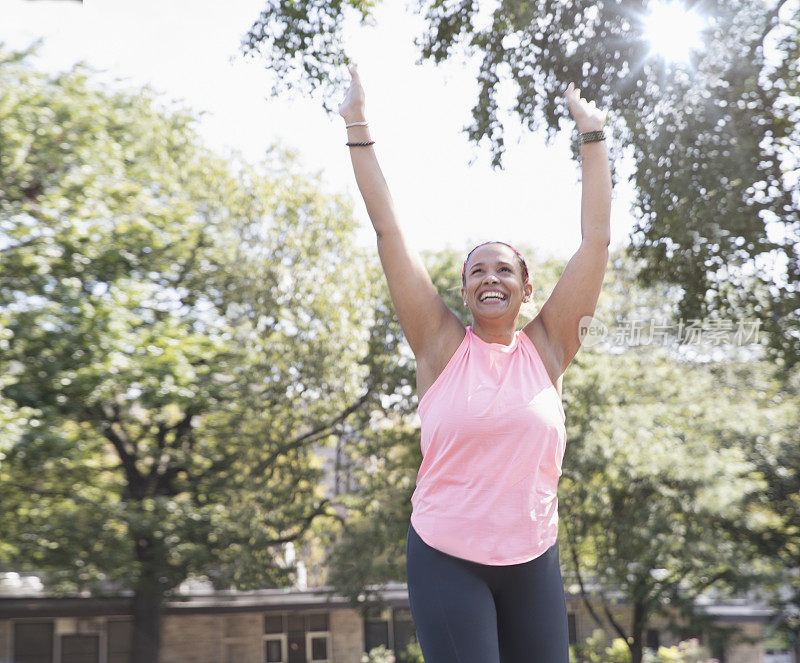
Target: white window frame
284,639
310,635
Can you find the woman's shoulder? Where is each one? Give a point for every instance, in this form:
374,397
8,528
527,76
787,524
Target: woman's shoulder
537,335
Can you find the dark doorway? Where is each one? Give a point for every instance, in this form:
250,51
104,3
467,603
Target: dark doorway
297,638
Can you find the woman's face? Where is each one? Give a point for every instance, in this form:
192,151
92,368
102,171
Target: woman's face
494,284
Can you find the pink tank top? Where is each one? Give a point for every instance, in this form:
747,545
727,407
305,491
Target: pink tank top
493,439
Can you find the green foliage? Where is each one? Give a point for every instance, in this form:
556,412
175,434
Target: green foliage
412,653
287,31
688,651
179,332
662,496
596,650
713,143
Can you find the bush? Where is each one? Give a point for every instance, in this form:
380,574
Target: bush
378,655
411,654
595,650
688,651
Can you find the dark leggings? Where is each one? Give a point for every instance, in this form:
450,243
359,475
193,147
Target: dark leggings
465,612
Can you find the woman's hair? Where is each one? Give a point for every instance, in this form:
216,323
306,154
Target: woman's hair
520,259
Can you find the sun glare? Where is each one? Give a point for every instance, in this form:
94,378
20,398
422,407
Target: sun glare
673,31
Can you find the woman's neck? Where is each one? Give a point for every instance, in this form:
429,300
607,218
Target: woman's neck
500,333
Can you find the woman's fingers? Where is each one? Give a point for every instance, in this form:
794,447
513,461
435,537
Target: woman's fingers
581,107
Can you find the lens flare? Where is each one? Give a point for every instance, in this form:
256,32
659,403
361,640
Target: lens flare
673,31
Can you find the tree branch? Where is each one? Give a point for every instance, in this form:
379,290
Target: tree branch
161,475
584,595
620,631
305,525
311,436
128,461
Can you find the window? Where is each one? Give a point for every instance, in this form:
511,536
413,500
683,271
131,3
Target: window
33,642
273,650
652,641
80,649
376,629
297,637
318,638
120,640
318,647
274,624
318,622
403,628
572,626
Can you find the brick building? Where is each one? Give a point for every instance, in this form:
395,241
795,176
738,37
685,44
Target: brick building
269,626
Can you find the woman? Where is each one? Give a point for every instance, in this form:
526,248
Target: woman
482,559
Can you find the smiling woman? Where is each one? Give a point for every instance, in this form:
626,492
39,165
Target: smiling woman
482,559
673,31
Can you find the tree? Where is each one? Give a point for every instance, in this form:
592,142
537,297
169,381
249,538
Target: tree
178,331
656,490
714,146
775,451
663,500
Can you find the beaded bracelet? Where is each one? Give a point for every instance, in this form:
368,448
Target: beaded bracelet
591,136
365,143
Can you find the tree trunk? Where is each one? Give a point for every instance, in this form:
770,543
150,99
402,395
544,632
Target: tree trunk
146,626
637,646
147,602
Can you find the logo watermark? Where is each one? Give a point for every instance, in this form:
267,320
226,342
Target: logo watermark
696,331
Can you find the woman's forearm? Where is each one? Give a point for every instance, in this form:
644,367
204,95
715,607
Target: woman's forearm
371,182
595,193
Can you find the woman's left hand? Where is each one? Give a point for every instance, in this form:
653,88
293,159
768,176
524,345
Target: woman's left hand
586,114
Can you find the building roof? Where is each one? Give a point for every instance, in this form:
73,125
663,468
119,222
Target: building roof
263,600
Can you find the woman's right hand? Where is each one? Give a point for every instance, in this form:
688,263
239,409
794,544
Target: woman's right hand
352,108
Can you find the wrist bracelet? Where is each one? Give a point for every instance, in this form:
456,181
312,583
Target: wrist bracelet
365,143
355,124
591,136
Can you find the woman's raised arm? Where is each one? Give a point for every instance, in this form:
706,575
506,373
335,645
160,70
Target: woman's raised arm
421,312
578,289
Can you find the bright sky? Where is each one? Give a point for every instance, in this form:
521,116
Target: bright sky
188,50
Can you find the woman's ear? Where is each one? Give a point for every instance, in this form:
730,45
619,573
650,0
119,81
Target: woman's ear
528,291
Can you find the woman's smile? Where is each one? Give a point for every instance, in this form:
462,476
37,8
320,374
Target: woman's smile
492,296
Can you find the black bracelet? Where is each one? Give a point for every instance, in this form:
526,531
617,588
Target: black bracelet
591,136
369,142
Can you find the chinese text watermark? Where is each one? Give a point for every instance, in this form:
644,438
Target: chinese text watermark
696,331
